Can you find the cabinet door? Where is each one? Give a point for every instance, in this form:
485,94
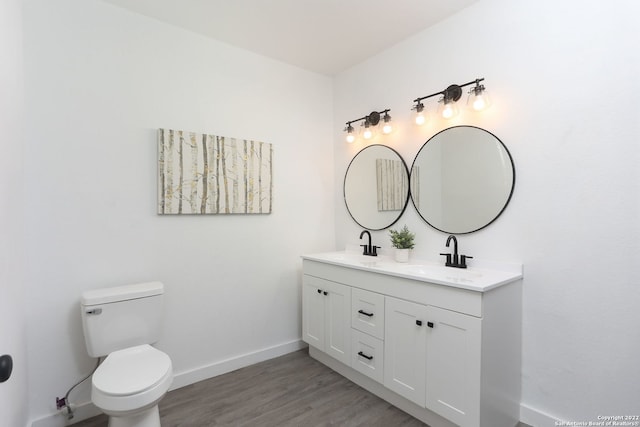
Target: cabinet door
405,348
338,321
453,366
313,312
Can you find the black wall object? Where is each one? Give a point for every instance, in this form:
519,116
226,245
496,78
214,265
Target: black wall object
6,366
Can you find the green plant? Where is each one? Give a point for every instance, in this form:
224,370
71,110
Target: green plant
402,239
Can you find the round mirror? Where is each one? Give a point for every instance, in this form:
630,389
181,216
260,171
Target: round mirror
376,187
462,179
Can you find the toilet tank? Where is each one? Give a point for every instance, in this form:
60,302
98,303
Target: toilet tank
123,316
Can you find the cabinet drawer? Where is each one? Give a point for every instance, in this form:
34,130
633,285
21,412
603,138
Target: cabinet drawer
367,355
367,312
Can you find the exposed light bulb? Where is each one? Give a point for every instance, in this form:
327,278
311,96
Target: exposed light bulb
387,128
479,103
449,110
351,136
478,98
420,117
367,133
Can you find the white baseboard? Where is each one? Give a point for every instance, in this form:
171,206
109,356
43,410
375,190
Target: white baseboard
87,410
222,367
535,417
81,412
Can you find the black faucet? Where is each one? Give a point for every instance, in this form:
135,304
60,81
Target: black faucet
368,249
454,261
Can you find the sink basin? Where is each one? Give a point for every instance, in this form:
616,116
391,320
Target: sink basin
371,264
355,258
446,273
338,256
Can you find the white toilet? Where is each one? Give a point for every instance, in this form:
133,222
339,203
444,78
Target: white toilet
121,323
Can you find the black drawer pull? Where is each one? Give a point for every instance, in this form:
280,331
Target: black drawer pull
430,324
319,291
365,313
365,356
419,322
325,293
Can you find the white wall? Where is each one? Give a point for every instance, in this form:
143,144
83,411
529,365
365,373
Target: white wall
99,82
564,82
13,392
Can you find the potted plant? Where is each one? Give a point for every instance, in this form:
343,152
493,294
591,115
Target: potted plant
403,242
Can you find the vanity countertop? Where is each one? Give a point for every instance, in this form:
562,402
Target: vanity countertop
472,278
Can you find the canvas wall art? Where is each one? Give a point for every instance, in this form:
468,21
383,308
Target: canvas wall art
211,174
392,184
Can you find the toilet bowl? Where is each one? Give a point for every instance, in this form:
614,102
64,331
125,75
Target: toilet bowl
128,385
121,323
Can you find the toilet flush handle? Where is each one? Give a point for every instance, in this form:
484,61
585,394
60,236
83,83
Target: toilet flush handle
94,311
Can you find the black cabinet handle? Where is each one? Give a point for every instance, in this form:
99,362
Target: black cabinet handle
365,313
6,366
430,324
365,356
419,322
319,291
325,293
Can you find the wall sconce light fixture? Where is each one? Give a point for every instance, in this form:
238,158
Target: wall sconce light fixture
369,125
478,100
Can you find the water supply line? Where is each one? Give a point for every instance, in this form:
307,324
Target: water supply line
64,402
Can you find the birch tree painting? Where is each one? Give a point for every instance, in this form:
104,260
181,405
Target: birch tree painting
392,185
210,174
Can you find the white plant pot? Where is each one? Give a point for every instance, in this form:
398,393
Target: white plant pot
402,255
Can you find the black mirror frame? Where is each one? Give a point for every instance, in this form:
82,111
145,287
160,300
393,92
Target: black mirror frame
513,183
408,196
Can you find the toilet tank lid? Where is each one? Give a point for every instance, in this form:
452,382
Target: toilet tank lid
122,293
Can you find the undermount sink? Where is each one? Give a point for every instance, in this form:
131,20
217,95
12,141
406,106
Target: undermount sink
448,273
366,261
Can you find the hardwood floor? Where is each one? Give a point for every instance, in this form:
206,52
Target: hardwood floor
291,390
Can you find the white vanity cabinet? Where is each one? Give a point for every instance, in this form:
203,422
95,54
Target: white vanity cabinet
326,317
433,358
448,355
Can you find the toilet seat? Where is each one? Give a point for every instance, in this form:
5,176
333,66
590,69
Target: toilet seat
132,370
131,379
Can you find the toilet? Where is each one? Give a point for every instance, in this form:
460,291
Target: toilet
121,323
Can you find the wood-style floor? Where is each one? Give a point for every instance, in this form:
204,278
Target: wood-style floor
291,390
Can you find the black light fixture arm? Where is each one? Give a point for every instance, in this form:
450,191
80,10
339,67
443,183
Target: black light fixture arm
373,118
453,92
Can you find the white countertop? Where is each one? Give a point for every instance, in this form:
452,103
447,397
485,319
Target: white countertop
471,278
